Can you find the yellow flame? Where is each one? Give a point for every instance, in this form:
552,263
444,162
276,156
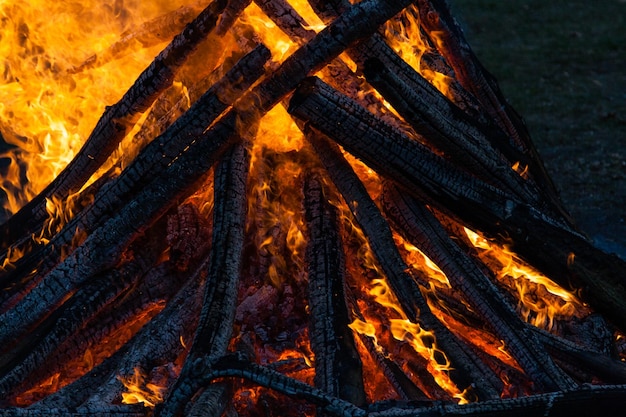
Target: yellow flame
140,392
47,111
541,300
404,36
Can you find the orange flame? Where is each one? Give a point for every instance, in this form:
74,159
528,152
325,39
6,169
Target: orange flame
47,111
403,35
541,300
139,391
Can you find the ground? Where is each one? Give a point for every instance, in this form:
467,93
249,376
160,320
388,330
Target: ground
561,64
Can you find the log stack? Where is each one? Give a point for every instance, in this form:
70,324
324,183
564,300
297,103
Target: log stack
169,268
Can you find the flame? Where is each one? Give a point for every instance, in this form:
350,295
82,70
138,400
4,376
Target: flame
541,300
279,43
139,391
404,35
46,109
274,203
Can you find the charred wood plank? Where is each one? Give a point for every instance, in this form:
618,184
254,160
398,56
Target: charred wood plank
468,372
443,124
218,309
116,121
560,253
338,367
417,224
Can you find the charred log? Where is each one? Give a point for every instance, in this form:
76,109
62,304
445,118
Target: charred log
422,229
337,363
151,162
218,312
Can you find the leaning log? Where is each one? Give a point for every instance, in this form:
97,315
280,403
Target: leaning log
436,18
337,363
220,296
565,256
153,159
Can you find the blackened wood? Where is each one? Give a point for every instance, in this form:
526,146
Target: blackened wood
151,162
212,402
235,367
450,130
338,367
103,411
608,369
158,343
468,372
587,400
437,19
417,224
376,47
155,344
27,242
356,23
220,297
34,350
287,19
562,254
116,121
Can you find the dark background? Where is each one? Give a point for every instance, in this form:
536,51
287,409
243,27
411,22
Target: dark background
562,65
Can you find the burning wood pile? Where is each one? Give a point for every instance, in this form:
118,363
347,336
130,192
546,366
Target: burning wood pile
297,208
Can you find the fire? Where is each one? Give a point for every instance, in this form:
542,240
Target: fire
404,35
47,109
138,391
541,301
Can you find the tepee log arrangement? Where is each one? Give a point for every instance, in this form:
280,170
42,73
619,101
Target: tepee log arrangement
297,208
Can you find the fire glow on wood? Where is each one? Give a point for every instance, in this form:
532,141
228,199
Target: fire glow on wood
309,199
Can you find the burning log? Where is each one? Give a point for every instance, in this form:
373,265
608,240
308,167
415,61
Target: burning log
337,363
422,229
466,367
218,311
154,158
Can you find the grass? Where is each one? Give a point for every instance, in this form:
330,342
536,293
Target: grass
561,64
